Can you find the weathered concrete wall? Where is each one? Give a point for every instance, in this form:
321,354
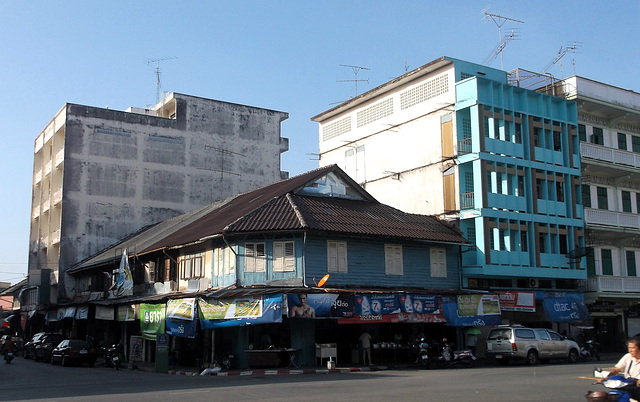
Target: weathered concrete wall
124,171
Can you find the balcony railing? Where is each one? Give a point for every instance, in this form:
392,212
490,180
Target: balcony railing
611,155
59,157
611,218
465,146
467,200
618,284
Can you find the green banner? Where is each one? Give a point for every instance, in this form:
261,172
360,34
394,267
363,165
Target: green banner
152,320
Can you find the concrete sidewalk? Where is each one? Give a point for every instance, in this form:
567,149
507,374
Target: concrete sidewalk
192,371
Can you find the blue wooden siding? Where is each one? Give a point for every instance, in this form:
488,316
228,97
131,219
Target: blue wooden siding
366,265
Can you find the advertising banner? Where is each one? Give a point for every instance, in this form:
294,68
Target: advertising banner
565,307
451,313
221,309
271,313
182,309
395,318
372,304
518,301
181,328
126,313
104,313
478,305
82,312
427,304
322,305
152,320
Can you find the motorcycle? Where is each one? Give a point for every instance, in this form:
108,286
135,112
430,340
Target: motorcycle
224,361
450,357
113,356
8,356
423,354
589,349
618,385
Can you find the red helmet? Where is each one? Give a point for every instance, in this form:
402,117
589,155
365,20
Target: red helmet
444,339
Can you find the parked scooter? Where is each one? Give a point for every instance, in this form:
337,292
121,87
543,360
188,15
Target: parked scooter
618,385
450,357
589,349
224,360
424,360
113,356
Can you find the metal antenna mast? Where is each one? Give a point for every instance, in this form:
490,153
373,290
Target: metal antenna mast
155,63
499,20
561,53
356,70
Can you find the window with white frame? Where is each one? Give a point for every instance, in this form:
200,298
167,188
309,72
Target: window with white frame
393,259
283,256
438,263
191,266
254,257
223,261
336,256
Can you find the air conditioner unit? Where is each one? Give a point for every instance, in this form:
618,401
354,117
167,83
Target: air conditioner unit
533,282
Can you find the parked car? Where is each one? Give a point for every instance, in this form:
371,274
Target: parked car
29,346
506,343
42,350
74,351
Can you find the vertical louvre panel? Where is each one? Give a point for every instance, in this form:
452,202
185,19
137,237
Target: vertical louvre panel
332,257
249,258
342,257
260,263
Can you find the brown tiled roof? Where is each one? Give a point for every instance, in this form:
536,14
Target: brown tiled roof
277,207
339,215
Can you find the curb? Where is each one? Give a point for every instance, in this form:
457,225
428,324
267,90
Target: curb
280,371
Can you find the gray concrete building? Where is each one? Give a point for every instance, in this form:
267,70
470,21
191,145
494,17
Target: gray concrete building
101,174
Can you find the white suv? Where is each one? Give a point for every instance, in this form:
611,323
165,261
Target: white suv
506,343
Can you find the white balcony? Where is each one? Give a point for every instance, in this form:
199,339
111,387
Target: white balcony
47,169
46,205
37,178
611,218
57,197
55,237
59,158
616,284
611,155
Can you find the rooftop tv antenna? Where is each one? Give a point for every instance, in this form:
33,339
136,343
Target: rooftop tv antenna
498,50
499,20
561,53
155,63
356,70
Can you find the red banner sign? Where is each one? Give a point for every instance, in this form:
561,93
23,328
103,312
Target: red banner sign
518,301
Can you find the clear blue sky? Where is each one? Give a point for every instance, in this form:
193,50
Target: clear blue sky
282,55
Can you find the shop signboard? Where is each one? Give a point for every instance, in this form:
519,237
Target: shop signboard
455,319
152,320
271,313
395,318
565,307
181,317
518,301
104,313
231,308
411,303
478,305
319,305
126,313
372,304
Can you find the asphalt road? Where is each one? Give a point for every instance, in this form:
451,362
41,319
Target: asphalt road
25,380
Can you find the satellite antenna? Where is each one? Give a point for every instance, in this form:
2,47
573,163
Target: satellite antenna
155,63
499,20
561,53
356,70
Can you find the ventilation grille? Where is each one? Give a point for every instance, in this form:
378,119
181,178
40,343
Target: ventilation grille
423,92
375,112
336,129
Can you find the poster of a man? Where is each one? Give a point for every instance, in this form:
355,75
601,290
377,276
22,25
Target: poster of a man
302,309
